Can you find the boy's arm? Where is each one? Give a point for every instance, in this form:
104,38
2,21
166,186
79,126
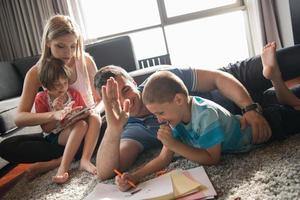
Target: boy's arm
210,156
158,163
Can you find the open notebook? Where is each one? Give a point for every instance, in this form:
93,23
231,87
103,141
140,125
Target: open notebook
176,184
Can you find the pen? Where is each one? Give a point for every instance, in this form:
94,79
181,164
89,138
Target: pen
129,182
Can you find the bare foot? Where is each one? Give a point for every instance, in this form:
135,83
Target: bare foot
270,66
39,168
61,175
60,178
88,166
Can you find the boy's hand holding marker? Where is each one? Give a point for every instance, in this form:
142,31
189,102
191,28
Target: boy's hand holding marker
124,181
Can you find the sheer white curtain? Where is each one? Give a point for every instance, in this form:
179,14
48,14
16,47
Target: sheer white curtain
263,23
75,11
22,25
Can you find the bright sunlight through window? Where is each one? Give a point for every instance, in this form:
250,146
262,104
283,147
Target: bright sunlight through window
207,41
210,42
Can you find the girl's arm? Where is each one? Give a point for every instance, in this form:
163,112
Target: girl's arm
92,70
24,116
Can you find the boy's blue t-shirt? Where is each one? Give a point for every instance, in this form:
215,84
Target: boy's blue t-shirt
225,127
211,124
144,130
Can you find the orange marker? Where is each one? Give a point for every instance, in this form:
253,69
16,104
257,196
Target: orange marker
129,182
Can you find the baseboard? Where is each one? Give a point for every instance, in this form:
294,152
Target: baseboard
3,163
5,169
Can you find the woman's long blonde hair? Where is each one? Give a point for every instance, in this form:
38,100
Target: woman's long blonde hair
59,25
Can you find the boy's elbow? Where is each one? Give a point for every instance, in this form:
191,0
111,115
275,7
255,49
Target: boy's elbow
214,161
210,161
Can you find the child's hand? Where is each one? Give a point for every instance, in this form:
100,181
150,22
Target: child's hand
70,117
58,103
122,181
164,134
61,114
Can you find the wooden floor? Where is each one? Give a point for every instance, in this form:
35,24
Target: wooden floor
11,177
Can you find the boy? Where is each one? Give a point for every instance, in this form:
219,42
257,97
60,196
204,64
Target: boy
62,101
199,129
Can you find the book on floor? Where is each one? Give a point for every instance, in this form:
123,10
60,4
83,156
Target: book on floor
180,184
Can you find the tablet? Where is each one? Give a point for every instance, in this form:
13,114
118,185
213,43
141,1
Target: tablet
71,117
75,114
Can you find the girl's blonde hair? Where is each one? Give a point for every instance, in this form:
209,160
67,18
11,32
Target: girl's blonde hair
59,25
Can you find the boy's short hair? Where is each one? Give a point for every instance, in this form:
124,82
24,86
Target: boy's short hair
106,72
161,87
53,70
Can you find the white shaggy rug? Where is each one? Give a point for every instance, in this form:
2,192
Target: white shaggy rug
270,172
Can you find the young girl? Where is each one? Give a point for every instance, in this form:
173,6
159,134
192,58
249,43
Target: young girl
59,99
62,40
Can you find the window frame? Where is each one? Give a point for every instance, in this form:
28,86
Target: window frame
166,21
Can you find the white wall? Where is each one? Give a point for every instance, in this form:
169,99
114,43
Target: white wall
285,22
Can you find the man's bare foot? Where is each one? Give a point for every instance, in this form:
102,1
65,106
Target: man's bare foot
88,166
60,178
270,66
39,168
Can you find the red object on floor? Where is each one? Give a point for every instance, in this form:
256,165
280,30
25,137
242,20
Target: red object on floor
11,177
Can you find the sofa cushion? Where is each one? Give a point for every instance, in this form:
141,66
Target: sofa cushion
7,113
117,51
141,75
24,64
10,81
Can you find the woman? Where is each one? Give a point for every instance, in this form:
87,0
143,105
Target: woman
63,40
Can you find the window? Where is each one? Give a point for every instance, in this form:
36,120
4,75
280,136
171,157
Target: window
148,43
179,7
210,42
107,17
206,33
